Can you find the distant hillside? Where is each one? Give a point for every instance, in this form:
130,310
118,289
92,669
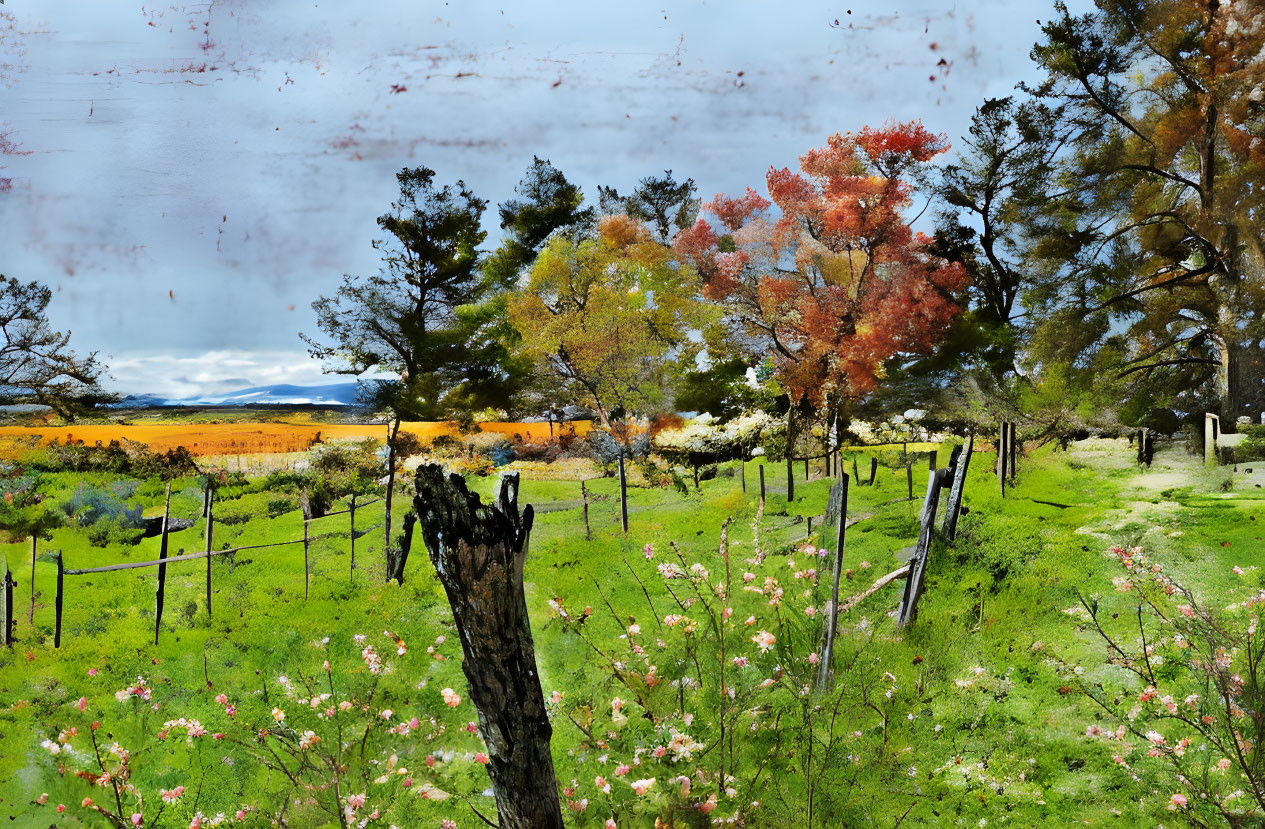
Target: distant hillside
281,394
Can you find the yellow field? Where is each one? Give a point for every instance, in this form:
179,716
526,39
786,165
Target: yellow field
253,438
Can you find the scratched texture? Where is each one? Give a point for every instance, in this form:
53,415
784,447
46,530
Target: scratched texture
189,177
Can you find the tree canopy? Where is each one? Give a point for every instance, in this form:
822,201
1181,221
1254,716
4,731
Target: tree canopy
36,362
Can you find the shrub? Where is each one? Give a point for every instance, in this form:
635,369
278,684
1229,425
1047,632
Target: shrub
1192,734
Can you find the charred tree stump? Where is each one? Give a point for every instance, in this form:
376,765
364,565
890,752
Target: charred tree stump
478,551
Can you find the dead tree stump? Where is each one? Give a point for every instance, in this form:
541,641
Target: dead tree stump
478,551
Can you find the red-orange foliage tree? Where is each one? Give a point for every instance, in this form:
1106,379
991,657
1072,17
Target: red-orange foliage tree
838,283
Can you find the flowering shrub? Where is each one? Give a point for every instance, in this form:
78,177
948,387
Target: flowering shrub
713,699
1185,720
702,440
334,745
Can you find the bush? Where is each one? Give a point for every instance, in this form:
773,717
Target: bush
123,457
89,505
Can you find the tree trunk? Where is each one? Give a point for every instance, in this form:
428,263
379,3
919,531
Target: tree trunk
478,552
1231,383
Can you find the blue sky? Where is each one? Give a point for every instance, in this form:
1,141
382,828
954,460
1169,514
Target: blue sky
189,177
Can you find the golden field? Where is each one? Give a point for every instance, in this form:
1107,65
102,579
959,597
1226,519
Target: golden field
251,438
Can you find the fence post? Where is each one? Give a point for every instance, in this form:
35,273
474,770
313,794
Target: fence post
623,492
824,674
584,495
918,564
57,603
856,476
742,467
1011,451
805,469
873,470
761,484
353,536
30,614
307,567
1002,445
790,477
6,597
210,533
162,568
932,457
949,529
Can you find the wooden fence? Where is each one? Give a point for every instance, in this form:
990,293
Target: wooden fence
163,560
951,478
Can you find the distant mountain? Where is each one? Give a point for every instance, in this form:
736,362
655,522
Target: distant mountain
281,394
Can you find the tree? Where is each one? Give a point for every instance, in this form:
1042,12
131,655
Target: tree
996,185
1156,222
611,315
36,362
546,203
411,318
838,284
660,203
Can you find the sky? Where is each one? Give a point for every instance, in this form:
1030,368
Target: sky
190,177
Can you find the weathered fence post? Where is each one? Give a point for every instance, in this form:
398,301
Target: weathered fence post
1001,456
478,551
353,536
584,495
30,614
1011,450
57,602
805,469
623,493
909,474
931,460
824,674
856,476
210,533
790,477
762,483
949,529
873,470
307,567
918,564
6,598
162,568
742,470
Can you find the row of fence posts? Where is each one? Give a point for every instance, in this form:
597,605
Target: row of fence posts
954,477
208,511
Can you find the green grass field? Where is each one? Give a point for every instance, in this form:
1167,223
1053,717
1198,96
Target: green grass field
979,727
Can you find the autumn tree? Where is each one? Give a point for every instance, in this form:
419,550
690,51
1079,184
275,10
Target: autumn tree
411,318
836,284
610,316
1154,225
36,361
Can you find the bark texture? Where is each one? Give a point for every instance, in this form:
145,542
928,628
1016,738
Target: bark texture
478,551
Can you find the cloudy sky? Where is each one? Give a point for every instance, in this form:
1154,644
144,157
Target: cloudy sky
190,177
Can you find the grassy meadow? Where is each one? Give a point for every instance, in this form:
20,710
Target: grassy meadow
970,716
